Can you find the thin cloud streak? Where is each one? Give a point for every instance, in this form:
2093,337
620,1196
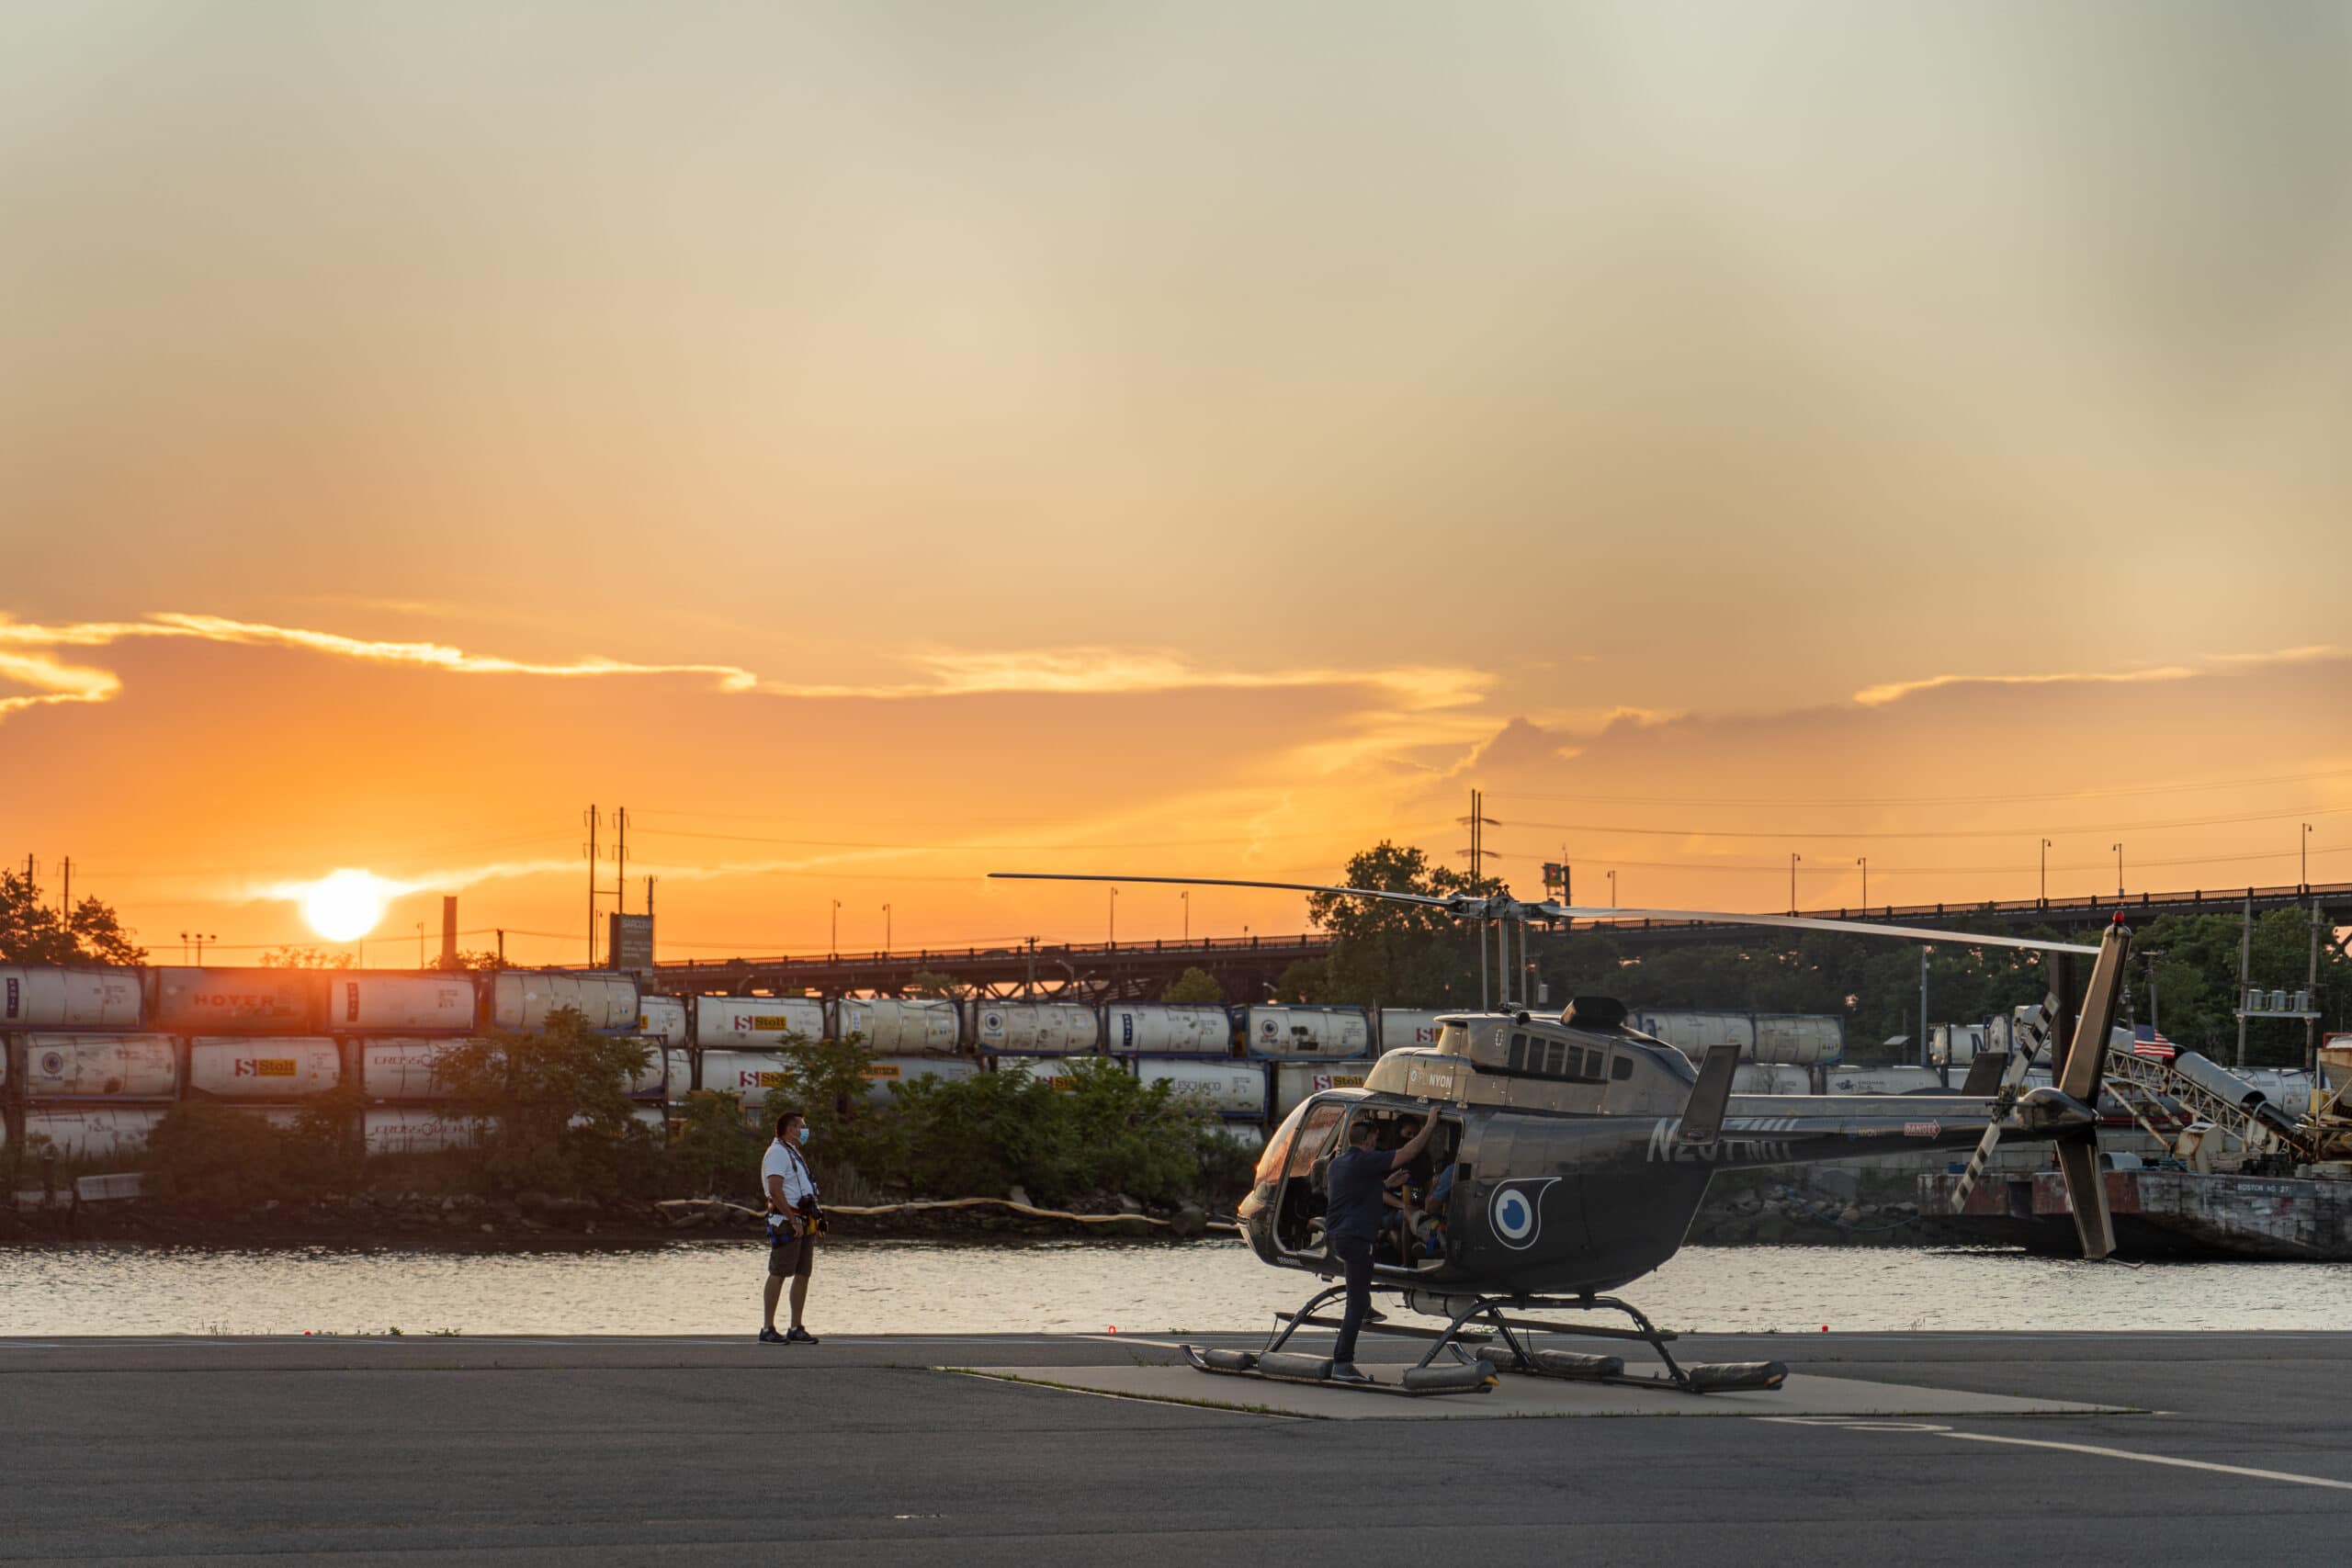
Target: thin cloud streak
1065,672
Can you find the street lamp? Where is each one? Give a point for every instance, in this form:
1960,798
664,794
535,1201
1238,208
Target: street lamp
1865,863
1114,918
836,946
199,938
1794,858
885,928
2045,871
2307,854
1185,897
2119,869
1612,889
420,944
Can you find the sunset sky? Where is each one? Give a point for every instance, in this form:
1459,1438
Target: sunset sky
877,444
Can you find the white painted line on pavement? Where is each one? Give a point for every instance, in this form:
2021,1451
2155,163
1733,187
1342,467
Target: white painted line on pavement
2286,1476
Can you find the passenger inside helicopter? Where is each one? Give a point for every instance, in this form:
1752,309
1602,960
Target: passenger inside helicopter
1416,1238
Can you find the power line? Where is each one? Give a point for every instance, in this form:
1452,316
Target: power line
1932,799
1786,833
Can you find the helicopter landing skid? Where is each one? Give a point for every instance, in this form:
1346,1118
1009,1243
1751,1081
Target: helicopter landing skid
1274,1364
1505,1352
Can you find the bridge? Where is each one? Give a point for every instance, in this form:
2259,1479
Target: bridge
1247,967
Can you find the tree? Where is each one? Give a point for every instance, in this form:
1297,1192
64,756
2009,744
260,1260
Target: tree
552,1102
932,984
302,955
33,933
1391,954
1194,985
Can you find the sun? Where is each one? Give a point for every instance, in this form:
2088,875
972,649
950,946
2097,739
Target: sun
346,906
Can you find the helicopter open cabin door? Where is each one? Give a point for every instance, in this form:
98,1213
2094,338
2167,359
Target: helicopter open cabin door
1412,1237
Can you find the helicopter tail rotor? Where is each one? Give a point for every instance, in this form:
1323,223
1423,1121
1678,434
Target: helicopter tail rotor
2077,1089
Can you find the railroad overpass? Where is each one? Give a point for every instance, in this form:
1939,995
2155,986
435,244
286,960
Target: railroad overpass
1248,966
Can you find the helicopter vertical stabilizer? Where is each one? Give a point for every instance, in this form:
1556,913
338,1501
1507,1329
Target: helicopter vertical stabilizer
1703,1118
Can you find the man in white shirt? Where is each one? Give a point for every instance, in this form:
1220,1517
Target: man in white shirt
793,1217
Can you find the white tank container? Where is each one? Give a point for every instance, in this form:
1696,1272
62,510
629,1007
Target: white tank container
1166,1029
1407,1029
1696,1031
883,1071
750,1073
101,1066
522,999
1056,1071
244,1067
1039,1029
416,1130
1768,1078
1799,1039
1885,1080
756,1022
903,1026
237,1001
34,996
1228,1087
1294,1081
90,1132
663,1019
402,1004
403,1069
651,1081
1248,1136
1281,1032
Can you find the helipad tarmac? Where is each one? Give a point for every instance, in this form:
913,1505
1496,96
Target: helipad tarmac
1526,1398
1903,1449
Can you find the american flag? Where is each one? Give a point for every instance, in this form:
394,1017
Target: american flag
2147,1042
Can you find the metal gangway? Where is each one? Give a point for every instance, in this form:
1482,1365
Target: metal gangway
2165,1096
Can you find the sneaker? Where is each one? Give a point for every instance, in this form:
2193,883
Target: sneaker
1347,1372
799,1335
770,1336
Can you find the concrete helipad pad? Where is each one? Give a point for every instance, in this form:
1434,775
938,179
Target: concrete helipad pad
1526,1397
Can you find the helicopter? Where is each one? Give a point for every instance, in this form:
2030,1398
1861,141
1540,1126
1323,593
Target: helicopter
1580,1149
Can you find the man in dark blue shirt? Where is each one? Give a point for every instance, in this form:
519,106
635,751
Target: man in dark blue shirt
1352,1213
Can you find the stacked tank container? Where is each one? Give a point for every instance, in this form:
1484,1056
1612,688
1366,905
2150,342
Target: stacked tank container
94,1057
79,1074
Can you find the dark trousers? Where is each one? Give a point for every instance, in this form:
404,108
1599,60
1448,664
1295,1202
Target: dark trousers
1355,1253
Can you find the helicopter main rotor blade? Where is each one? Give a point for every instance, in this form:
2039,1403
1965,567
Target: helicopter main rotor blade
1799,923
1226,882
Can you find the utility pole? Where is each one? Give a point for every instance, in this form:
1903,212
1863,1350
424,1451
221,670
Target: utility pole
595,820
502,947
1923,1019
2311,995
2246,975
420,944
1477,853
65,900
620,859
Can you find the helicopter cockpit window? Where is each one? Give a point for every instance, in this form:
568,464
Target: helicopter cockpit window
1307,1147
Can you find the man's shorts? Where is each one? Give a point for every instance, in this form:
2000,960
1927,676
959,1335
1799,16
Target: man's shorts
789,1255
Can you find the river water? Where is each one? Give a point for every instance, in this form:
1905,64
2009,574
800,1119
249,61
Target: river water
1083,1287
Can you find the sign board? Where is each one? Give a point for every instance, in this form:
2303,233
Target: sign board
630,946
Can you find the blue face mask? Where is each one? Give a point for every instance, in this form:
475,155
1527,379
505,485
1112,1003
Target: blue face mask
802,1136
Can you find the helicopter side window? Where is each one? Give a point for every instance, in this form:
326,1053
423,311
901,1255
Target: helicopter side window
1516,1061
1622,1068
